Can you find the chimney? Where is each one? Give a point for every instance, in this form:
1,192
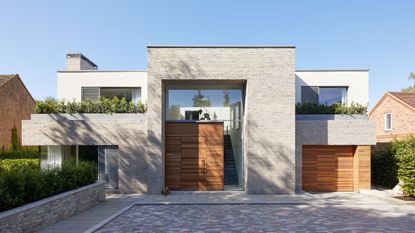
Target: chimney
77,61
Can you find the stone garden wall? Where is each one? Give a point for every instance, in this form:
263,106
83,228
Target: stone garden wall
45,212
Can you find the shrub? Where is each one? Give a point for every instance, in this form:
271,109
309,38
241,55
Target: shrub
22,153
15,142
337,108
17,164
104,105
404,151
384,169
19,187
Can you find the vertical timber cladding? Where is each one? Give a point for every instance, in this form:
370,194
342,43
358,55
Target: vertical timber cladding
336,168
194,156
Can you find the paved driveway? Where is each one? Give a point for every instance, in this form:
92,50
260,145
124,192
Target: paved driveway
343,216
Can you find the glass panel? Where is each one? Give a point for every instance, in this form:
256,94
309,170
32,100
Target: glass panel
208,103
388,121
309,94
332,95
199,104
128,93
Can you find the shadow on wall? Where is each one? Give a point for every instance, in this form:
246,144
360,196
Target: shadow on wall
271,166
131,141
185,68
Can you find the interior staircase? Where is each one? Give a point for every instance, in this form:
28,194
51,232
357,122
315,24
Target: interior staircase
230,176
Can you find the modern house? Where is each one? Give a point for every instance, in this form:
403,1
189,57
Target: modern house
16,104
394,115
219,118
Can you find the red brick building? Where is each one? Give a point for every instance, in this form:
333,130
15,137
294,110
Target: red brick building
394,115
16,104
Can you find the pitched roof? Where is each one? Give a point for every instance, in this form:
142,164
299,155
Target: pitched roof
407,97
4,78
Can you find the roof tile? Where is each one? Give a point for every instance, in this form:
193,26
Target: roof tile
407,97
4,78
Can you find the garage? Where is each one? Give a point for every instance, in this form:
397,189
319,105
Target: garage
327,168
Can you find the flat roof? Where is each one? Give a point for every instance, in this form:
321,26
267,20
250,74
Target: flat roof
308,70
331,70
97,71
221,46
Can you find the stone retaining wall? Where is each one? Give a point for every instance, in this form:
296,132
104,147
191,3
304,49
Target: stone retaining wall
45,212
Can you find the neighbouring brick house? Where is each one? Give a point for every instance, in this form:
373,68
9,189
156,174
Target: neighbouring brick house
394,115
16,104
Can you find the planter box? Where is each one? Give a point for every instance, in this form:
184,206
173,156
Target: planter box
40,214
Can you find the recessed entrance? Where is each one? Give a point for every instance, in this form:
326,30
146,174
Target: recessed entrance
203,136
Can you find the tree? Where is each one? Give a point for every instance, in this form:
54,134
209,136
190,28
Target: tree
412,88
226,98
15,142
199,100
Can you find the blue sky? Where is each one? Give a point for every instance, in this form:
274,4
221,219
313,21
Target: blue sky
36,35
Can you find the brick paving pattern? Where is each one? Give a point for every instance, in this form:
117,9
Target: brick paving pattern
264,218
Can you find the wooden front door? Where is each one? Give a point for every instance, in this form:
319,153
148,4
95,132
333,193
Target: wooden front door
194,156
328,168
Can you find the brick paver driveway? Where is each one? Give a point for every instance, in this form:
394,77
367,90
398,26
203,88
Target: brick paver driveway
265,218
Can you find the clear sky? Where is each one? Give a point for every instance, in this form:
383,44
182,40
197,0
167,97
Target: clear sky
378,35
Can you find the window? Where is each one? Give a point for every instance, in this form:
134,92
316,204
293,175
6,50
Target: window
204,103
323,95
388,121
93,93
90,93
309,94
332,95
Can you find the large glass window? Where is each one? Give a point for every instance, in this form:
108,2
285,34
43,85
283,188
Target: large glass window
204,104
323,95
213,102
332,95
93,93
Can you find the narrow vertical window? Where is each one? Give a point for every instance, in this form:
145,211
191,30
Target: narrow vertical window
388,121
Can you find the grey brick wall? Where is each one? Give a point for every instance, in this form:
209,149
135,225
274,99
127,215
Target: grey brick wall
340,130
45,212
128,131
269,123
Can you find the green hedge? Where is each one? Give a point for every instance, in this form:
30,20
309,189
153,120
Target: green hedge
404,151
18,164
384,169
24,153
104,105
19,187
312,108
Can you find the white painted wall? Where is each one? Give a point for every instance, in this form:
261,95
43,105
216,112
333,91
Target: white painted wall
70,83
357,82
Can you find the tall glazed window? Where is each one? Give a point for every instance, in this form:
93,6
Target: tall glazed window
213,102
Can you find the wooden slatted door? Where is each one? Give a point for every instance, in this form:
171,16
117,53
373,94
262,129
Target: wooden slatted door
173,163
214,155
193,163
328,168
194,156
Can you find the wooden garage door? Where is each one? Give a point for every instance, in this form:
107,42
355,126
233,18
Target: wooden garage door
328,168
194,156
